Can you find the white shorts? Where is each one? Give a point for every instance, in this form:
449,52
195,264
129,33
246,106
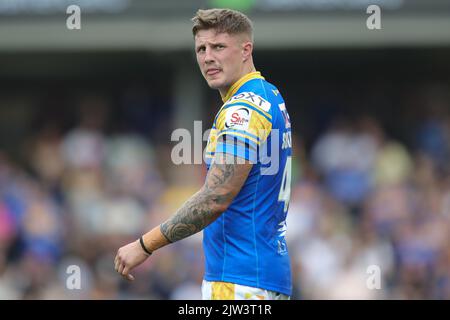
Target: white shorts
216,290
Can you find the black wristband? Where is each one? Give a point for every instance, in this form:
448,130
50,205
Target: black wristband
141,241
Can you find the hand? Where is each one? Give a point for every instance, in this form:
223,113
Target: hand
128,257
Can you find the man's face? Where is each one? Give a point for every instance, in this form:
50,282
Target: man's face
220,57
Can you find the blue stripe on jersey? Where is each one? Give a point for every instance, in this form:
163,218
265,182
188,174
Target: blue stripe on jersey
237,150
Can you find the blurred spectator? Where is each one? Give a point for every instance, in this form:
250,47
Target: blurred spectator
345,156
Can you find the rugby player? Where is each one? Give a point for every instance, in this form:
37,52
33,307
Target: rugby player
243,204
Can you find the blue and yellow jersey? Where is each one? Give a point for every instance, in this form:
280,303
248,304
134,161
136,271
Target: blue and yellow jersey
246,244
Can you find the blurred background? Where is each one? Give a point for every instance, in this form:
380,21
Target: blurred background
86,118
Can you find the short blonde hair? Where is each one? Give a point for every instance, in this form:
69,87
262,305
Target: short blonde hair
223,21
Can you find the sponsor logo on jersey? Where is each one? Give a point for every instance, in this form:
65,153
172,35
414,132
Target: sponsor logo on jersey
237,118
254,99
287,121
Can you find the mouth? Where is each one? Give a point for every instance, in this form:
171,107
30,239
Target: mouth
212,71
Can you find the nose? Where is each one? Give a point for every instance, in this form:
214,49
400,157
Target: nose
208,56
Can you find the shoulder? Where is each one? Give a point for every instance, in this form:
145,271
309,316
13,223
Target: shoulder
257,94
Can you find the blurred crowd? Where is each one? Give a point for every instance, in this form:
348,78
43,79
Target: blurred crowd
360,199
367,202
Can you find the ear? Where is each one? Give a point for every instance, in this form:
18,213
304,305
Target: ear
247,49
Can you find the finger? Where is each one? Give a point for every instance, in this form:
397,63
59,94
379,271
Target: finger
128,277
117,264
120,269
125,271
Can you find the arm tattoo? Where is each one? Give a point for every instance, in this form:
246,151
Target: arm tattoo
201,209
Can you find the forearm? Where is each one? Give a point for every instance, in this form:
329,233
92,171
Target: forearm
154,239
194,215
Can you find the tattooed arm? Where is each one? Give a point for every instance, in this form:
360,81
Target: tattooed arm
223,183
225,179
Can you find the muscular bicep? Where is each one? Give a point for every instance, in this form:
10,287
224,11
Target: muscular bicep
226,177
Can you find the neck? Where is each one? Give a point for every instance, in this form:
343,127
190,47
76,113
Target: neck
246,70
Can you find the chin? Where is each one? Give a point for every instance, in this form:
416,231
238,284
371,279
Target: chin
214,84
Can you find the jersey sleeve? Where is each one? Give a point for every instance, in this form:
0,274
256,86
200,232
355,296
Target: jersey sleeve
242,128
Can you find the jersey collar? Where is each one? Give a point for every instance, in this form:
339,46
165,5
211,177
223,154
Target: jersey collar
235,87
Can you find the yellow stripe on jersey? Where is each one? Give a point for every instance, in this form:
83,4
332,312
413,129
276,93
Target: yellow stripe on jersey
212,142
222,291
220,122
259,126
235,87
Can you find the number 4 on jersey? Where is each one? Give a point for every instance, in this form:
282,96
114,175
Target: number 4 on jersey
285,190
